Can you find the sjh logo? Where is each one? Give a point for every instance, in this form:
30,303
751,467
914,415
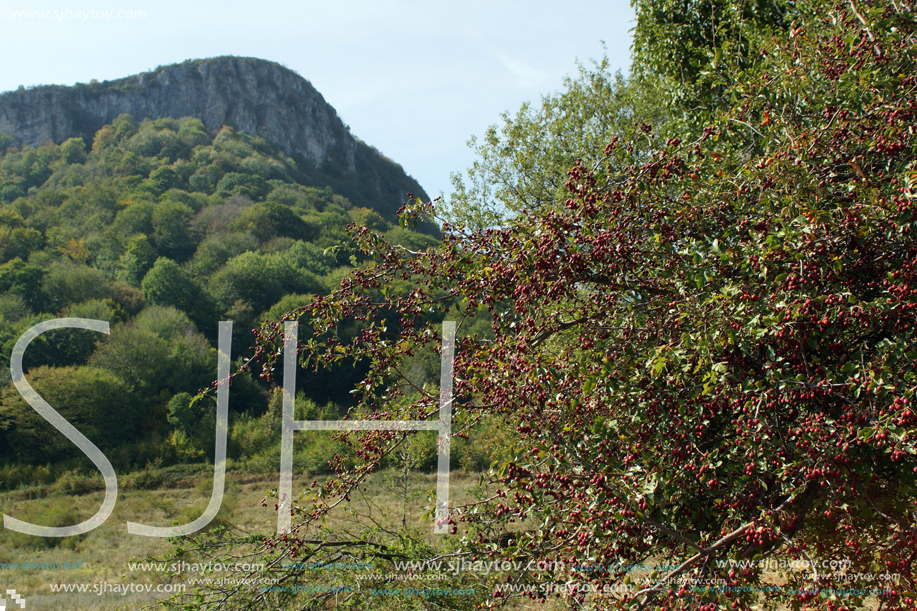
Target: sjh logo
19,600
443,427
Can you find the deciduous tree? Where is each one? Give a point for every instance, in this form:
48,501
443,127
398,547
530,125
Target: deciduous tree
708,352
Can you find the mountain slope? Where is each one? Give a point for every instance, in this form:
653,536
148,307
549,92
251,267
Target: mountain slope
254,96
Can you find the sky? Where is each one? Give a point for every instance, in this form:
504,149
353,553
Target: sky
414,79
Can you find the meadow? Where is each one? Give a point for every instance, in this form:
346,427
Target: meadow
114,564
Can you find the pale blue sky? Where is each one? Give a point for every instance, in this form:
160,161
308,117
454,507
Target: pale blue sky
414,79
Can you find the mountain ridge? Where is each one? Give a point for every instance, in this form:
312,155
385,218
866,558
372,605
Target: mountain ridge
251,95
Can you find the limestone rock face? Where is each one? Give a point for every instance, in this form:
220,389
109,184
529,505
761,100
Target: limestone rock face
256,96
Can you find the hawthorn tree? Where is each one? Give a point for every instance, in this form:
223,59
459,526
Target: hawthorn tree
688,41
707,354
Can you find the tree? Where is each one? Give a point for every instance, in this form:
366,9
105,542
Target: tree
167,284
65,347
708,353
262,280
138,258
93,400
139,357
76,229
235,183
186,416
166,322
68,283
24,279
365,217
73,151
687,42
170,230
269,219
162,179
135,218
19,242
522,164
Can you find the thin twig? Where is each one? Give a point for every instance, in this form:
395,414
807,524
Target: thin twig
875,45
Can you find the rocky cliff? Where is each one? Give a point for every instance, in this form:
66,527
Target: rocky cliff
255,96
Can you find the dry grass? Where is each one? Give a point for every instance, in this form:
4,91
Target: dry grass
104,554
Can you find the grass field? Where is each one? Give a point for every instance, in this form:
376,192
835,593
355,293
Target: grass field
102,559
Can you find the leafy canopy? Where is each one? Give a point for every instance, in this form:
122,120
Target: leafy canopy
707,352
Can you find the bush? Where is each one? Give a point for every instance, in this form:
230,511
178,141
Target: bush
706,350
47,512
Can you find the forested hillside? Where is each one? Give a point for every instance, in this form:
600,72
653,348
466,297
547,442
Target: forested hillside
684,365
163,228
255,96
